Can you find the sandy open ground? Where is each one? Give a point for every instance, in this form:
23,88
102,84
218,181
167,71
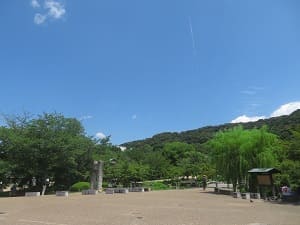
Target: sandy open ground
176,207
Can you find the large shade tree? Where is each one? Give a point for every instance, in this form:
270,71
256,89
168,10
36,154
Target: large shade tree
49,146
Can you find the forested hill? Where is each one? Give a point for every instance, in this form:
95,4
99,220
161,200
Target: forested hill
281,126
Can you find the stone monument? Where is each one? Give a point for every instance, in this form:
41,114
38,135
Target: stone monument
97,176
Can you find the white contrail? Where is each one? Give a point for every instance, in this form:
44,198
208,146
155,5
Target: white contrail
192,34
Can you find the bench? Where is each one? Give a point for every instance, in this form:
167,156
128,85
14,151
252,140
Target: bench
236,194
89,192
121,190
62,193
245,195
255,195
32,194
137,189
224,191
109,191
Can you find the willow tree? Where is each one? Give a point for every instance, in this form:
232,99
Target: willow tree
236,150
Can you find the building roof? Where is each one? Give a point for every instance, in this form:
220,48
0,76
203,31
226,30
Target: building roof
264,170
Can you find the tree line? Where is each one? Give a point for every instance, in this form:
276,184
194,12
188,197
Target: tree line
51,146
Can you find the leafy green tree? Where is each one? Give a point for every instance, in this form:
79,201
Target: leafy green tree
192,164
294,148
5,168
159,166
50,146
236,150
176,151
290,174
136,172
290,161
138,154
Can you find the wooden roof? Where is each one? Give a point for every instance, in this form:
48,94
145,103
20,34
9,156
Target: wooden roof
264,170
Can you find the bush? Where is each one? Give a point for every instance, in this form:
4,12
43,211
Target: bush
104,184
79,186
156,185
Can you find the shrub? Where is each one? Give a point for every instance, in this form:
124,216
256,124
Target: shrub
156,185
104,184
79,186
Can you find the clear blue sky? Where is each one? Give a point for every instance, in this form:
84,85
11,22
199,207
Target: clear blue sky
131,69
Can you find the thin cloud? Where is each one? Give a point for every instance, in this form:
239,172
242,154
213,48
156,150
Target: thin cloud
254,105
35,4
56,9
87,117
100,135
248,92
246,119
286,109
134,117
252,90
257,88
192,35
123,148
51,10
39,18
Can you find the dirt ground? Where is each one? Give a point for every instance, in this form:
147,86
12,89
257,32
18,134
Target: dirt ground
175,207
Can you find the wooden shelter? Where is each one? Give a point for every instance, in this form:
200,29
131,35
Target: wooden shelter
261,178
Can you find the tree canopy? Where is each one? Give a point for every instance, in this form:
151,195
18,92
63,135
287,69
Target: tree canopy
50,146
53,146
235,151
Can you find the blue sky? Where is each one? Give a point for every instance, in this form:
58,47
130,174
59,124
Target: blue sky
132,69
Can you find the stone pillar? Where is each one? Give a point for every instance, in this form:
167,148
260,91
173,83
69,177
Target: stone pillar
97,175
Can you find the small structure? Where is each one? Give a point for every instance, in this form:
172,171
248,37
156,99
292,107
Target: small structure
261,178
89,192
33,194
121,190
62,193
97,176
109,191
136,187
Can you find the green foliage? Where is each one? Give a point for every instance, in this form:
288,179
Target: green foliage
293,152
49,146
235,151
175,151
282,126
5,173
186,158
156,185
290,161
124,172
290,173
55,147
79,186
159,166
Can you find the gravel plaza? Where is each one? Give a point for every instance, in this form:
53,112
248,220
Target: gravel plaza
174,207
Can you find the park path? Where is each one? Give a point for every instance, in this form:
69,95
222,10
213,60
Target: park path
175,207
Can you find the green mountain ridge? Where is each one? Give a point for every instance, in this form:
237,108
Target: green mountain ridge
280,126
